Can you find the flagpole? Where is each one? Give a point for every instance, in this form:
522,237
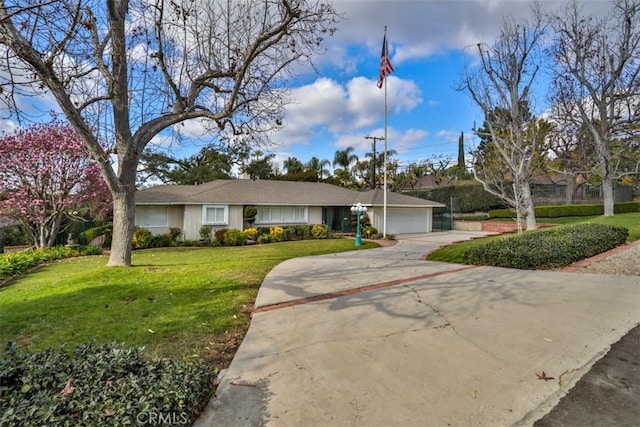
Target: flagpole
384,206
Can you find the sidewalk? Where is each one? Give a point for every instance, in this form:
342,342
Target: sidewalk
378,338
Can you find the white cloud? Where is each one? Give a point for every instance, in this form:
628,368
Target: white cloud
328,106
448,135
419,29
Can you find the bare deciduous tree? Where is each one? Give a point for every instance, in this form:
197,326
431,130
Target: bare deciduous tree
501,86
597,82
127,71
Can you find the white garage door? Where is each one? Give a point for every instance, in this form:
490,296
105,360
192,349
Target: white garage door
401,221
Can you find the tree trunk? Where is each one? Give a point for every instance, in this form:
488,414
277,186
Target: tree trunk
569,190
607,195
528,207
123,225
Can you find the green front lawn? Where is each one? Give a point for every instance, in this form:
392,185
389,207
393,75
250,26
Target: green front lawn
175,301
631,221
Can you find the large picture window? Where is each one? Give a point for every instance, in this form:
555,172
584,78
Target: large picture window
152,216
281,215
214,215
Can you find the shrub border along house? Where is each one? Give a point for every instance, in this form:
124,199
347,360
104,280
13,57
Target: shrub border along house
549,248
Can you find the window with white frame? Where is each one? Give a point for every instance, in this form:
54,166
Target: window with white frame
152,216
215,215
281,215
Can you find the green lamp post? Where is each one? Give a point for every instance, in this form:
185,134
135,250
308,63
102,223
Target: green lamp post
358,210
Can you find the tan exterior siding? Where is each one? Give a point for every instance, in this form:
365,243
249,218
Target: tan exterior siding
236,219
314,215
192,222
176,214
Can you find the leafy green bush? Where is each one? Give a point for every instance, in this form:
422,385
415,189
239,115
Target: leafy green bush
13,235
234,237
174,233
98,385
142,238
290,234
320,231
162,241
89,250
13,263
557,211
205,233
548,248
369,231
303,232
264,238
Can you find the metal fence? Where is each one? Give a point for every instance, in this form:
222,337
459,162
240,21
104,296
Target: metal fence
583,194
442,219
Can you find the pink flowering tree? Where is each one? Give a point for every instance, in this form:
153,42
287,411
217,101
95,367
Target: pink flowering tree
46,177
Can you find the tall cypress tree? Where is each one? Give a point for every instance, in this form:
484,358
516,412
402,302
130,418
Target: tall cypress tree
461,167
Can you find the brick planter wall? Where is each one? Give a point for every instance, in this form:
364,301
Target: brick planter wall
506,227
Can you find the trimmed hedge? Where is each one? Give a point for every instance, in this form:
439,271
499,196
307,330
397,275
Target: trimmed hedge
467,197
557,211
89,234
548,248
99,385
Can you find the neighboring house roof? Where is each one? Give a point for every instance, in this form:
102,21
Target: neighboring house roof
430,181
268,192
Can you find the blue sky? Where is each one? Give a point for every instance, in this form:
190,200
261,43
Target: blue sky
336,103
430,42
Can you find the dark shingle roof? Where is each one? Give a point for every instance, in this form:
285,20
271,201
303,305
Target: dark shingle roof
267,192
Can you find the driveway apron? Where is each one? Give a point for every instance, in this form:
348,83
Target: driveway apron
380,338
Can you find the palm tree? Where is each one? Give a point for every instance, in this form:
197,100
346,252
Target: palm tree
292,165
345,158
319,166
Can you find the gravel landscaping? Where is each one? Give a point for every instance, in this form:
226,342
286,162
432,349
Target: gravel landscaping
626,262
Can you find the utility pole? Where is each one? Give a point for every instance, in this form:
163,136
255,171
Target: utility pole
374,159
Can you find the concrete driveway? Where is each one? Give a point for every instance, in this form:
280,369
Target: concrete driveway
380,338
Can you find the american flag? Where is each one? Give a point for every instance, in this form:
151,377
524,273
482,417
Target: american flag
385,64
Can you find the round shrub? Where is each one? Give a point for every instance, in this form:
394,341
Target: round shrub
234,237
370,231
276,233
142,238
250,212
219,235
162,241
174,233
320,231
264,238
251,233
205,233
